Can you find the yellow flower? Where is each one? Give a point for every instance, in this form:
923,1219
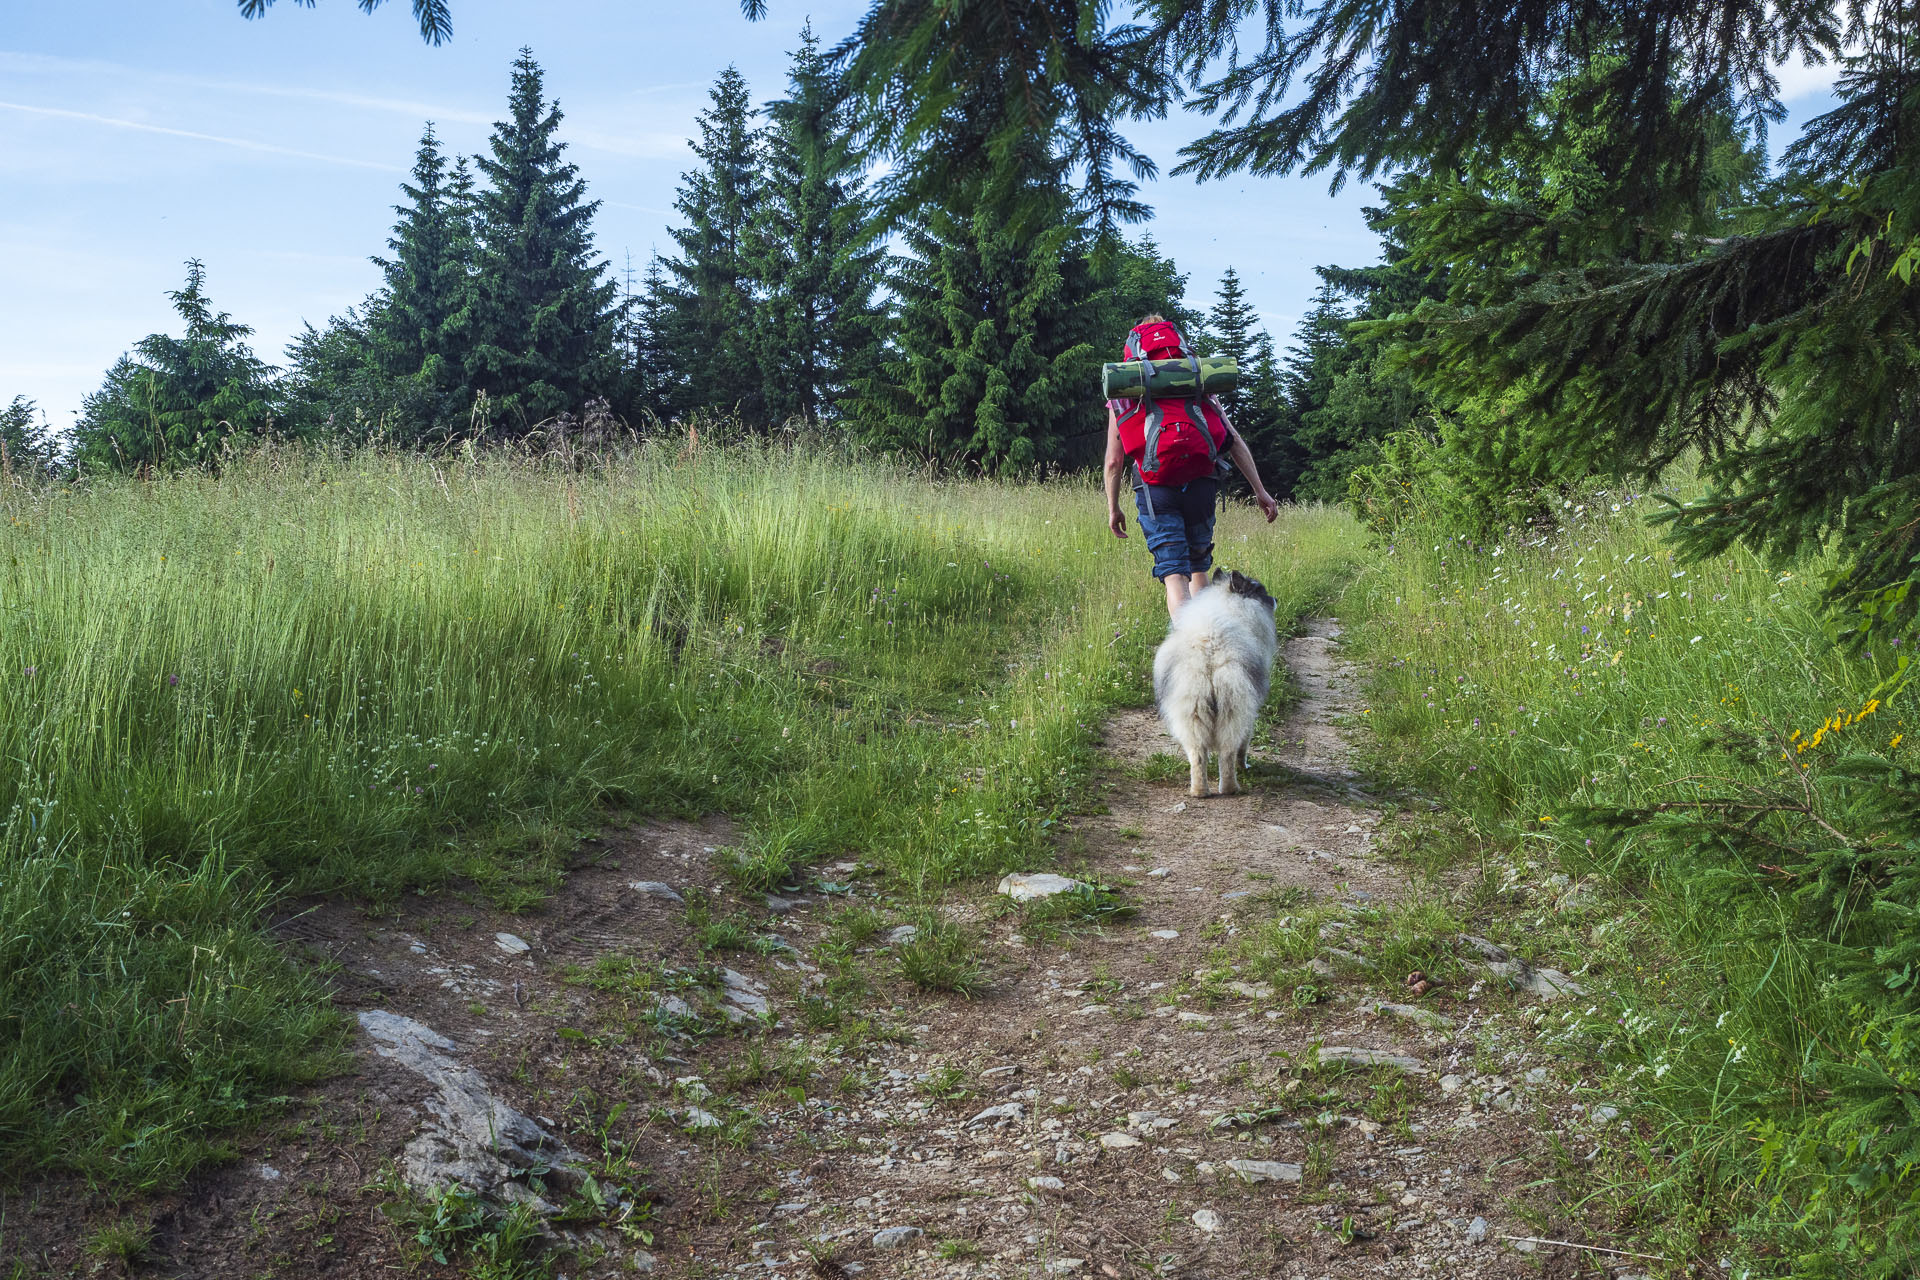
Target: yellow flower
1546,817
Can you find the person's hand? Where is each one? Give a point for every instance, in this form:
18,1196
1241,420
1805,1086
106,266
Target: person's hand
1117,521
1268,507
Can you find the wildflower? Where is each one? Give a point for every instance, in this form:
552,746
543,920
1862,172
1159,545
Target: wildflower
31,670
1546,817
173,680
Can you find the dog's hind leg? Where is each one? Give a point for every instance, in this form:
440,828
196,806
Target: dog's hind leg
1229,781
1196,771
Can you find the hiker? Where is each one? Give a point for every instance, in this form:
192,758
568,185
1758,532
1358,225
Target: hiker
1174,497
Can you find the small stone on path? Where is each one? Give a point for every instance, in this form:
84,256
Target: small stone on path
1351,1056
902,934
1264,1170
894,1237
1118,1141
657,889
1409,1013
1208,1221
512,945
1002,1114
1028,887
1168,934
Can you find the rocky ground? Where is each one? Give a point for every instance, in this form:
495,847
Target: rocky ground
1245,1077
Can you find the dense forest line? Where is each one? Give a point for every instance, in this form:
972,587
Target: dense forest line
798,295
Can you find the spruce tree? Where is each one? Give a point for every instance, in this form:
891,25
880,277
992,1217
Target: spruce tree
1262,418
178,401
814,246
1234,327
543,317
418,330
1319,357
654,382
27,443
996,364
1142,281
715,345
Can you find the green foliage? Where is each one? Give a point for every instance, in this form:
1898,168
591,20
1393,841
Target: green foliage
1255,408
710,326
1684,734
27,444
542,319
941,956
978,99
434,16
814,248
1139,280
178,401
419,331
996,352
454,1225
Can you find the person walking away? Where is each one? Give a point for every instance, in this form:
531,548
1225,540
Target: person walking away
1175,498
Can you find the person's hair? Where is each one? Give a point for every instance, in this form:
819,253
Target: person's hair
1154,318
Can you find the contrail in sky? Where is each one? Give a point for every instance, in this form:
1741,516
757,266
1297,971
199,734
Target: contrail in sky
244,144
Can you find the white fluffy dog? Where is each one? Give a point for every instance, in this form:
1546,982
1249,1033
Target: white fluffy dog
1211,674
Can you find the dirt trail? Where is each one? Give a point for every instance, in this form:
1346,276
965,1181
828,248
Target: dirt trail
1120,1101
1130,1067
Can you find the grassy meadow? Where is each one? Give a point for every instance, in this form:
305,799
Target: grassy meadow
378,675
1740,795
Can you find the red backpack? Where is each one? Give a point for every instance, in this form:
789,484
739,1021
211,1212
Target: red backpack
1172,440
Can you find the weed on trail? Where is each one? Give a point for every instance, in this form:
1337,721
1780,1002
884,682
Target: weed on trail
1667,771
381,675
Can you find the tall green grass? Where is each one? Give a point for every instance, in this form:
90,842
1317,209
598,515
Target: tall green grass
382,674
1587,702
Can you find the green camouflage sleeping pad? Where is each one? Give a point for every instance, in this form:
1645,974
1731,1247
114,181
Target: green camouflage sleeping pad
1189,378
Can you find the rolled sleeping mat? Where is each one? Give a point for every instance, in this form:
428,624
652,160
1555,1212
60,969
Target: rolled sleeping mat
1132,379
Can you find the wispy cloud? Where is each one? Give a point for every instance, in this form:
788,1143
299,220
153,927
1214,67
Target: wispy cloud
42,63
243,144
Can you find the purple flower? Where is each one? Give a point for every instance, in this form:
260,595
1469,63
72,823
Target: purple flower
1583,631
31,670
432,767
173,680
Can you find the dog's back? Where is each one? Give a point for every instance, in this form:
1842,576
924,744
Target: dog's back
1211,674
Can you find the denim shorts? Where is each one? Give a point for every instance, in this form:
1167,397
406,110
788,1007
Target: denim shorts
1178,525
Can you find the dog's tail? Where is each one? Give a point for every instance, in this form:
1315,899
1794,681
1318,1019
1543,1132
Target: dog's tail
1210,705
1234,700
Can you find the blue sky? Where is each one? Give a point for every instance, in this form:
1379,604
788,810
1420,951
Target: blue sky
136,134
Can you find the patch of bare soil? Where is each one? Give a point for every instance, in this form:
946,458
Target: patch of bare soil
1116,1102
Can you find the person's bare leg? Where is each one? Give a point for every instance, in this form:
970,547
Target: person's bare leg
1195,581
1176,592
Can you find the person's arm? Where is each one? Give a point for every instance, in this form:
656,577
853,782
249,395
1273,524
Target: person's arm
1243,463
1116,468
